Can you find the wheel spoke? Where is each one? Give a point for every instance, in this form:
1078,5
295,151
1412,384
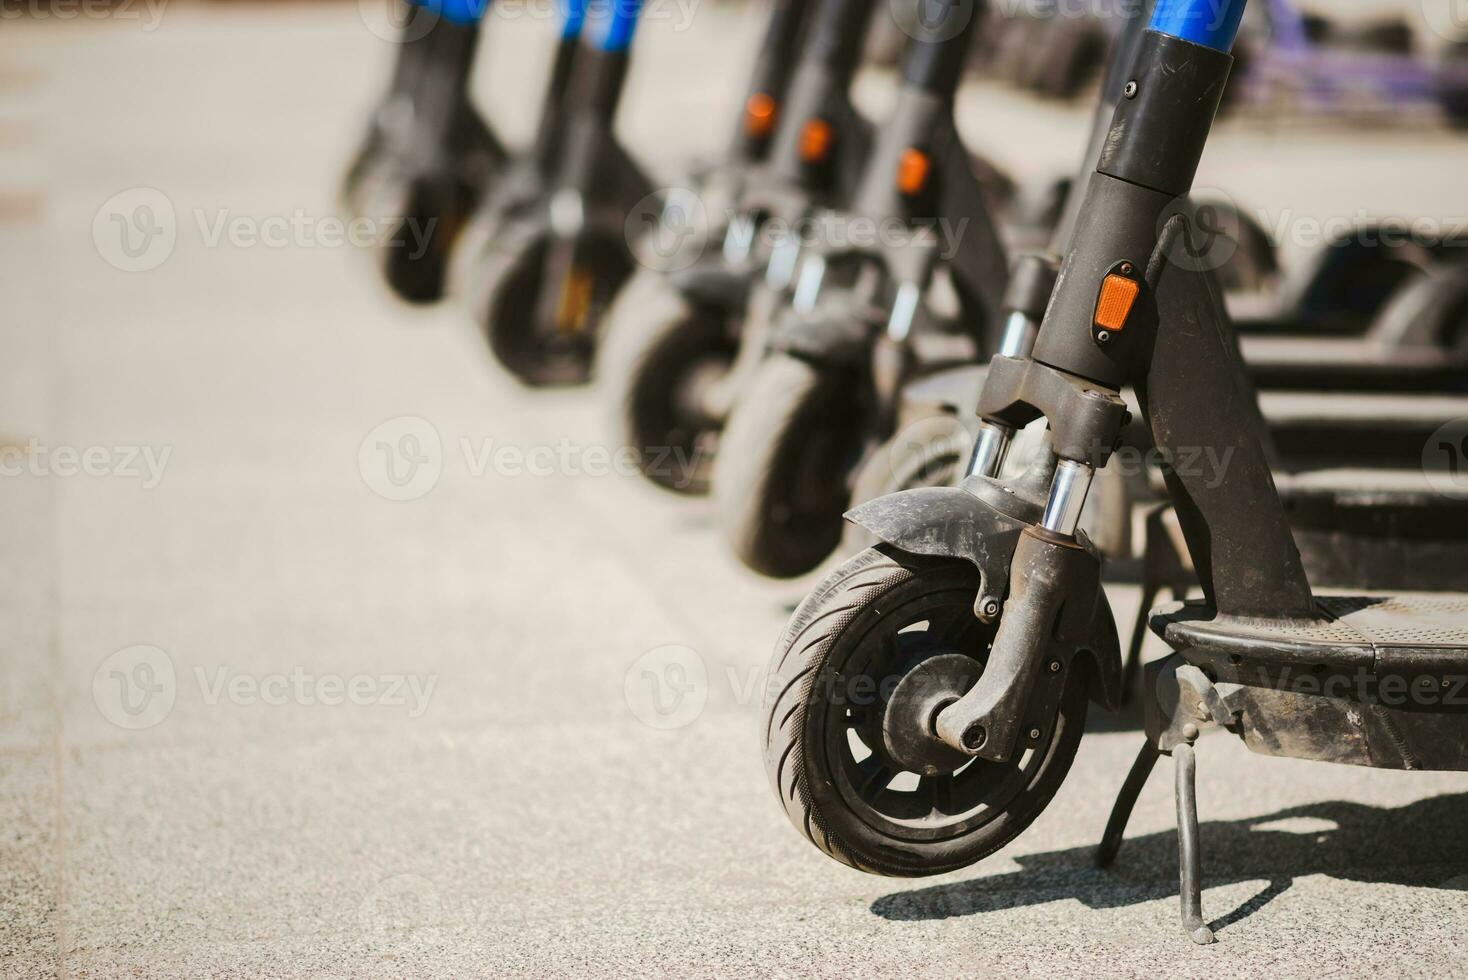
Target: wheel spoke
939,790
950,624
872,771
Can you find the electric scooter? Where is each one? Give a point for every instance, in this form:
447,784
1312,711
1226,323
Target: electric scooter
682,341
963,650
540,286
428,157
868,306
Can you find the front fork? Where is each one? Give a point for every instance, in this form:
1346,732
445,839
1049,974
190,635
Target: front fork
1099,332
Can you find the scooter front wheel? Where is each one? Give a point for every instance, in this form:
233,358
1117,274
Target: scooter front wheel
661,361
780,477
541,301
868,660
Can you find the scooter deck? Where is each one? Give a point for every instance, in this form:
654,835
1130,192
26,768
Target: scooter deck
1347,415
1349,362
1409,630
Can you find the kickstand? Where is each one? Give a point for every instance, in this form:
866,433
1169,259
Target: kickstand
1190,862
1121,810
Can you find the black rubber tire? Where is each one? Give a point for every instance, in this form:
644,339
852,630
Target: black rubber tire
507,301
823,633
780,480
656,345
415,254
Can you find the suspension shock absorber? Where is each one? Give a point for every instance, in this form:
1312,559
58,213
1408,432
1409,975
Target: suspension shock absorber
1031,281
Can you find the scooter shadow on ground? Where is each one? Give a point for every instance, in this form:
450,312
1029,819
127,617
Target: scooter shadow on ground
1379,845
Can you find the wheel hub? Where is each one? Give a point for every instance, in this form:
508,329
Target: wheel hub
909,721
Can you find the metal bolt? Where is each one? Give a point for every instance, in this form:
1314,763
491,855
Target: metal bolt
1126,268
1445,682
1055,666
974,737
1130,91
1034,734
1190,731
990,608
1102,337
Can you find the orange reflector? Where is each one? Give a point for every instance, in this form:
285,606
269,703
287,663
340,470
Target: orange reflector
1118,293
912,171
815,140
759,115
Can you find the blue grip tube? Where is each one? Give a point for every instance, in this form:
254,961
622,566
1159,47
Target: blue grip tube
457,11
620,22
1211,23
575,19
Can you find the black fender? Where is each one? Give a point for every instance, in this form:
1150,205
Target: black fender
980,521
835,332
714,284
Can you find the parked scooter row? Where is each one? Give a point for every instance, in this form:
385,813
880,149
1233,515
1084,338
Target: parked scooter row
536,243
848,357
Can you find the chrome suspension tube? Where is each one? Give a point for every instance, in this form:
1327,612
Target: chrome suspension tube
1067,497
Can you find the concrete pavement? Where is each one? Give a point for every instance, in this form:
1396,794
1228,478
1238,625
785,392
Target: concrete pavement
261,719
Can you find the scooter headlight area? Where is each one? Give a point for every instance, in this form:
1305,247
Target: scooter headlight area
790,488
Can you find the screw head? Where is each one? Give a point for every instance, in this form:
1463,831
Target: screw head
1102,337
990,608
974,737
1130,89
1055,666
1126,268
1190,731
1034,734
